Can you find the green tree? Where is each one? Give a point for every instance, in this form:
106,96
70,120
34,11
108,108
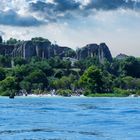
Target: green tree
44,66
92,80
2,74
70,53
25,85
40,39
37,77
12,41
19,61
58,73
5,61
1,39
62,83
81,65
8,86
132,67
8,83
128,82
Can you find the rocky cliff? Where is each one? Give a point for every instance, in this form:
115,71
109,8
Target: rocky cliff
6,50
29,49
44,49
121,56
101,51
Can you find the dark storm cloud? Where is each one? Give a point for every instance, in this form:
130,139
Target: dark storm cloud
64,5
10,17
56,6
56,11
112,4
74,8
41,6
70,5
104,4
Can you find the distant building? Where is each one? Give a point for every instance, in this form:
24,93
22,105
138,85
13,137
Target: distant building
72,60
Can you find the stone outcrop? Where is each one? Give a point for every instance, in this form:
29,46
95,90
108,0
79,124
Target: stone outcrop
44,49
6,50
121,56
101,51
28,49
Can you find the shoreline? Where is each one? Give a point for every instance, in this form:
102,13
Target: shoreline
45,96
81,96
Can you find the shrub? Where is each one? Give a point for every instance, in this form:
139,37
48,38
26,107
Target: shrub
8,92
121,92
62,92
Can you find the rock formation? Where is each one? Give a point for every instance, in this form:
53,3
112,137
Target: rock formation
6,50
28,49
121,56
101,51
44,49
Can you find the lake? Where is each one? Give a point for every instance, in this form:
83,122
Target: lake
69,118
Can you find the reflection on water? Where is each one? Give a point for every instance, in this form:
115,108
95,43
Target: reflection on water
70,119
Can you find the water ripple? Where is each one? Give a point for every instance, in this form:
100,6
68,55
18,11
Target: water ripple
70,118
12,132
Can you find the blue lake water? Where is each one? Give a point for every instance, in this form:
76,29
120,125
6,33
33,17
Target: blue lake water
70,119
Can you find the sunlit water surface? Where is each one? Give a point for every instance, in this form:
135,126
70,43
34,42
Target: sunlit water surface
70,119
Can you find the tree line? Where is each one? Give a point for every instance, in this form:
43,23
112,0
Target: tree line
88,77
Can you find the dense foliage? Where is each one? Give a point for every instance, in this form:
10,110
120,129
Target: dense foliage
87,77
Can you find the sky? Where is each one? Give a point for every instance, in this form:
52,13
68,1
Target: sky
74,23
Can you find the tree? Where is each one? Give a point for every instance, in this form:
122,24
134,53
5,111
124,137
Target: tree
19,61
2,74
81,65
8,83
128,82
40,39
107,79
1,39
92,80
12,41
8,86
63,83
19,73
132,67
44,66
25,85
37,77
70,53
58,73
66,64
5,61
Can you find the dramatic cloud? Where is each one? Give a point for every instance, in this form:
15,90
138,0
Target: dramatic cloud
37,12
66,9
10,17
56,10
55,5
112,4
66,5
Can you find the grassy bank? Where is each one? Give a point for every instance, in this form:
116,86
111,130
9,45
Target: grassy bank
106,95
